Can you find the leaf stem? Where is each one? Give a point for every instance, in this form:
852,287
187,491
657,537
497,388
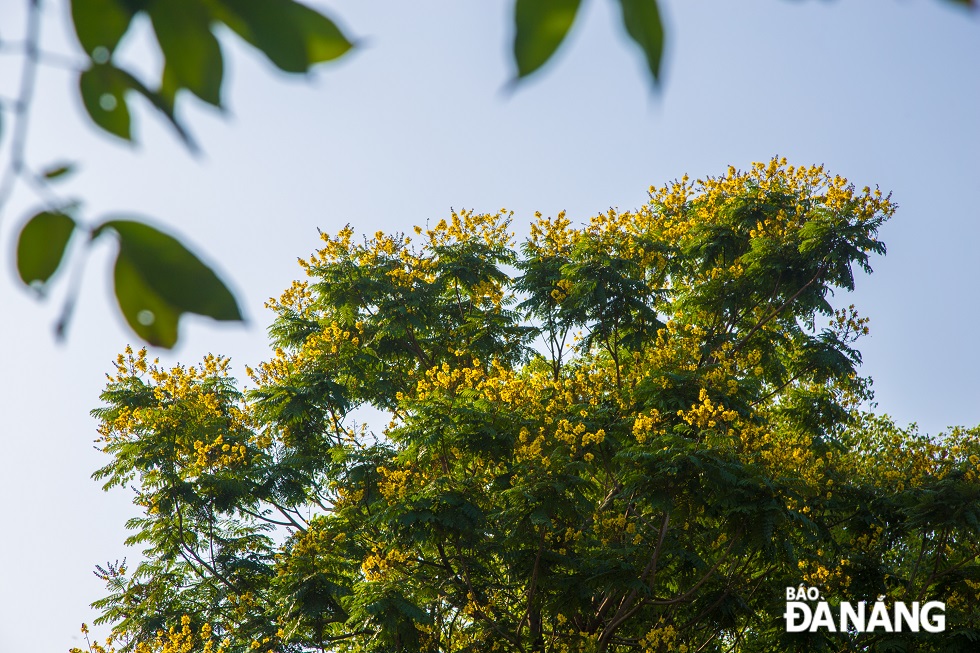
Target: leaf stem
71,297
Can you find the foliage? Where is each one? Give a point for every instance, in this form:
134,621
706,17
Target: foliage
188,33
156,278
626,436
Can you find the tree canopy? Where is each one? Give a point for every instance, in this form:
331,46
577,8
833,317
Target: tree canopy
627,435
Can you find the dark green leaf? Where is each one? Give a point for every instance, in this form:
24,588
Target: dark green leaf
100,24
157,279
191,52
643,24
41,246
58,171
163,101
152,318
293,36
541,26
103,89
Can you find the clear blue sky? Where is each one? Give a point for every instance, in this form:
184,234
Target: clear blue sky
416,122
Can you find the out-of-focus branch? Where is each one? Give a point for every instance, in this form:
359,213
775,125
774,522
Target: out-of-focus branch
21,106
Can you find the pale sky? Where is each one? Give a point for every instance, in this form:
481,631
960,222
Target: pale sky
416,122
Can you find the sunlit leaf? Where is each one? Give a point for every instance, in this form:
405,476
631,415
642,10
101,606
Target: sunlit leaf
41,246
100,24
190,51
103,91
643,24
157,279
541,26
293,36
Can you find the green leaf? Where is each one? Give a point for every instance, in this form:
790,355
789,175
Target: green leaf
191,53
541,26
293,36
58,171
100,24
157,279
147,313
41,246
163,101
643,24
103,89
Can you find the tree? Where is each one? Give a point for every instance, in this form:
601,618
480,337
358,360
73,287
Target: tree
627,436
154,288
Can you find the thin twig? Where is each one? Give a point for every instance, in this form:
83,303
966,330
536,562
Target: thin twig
18,145
71,297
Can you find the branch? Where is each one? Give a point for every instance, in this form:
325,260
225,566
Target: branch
300,527
686,595
626,608
532,585
761,323
22,105
468,586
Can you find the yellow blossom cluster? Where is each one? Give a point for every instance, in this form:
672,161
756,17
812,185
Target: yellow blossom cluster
395,483
663,638
298,298
242,605
380,564
208,424
706,414
551,235
218,454
833,579
912,458
647,425
174,640
612,527
492,229
785,452
445,377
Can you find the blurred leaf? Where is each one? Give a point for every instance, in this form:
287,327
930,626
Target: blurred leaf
58,171
103,89
152,318
100,23
643,24
191,52
541,26
41,246
163,103
293,36
169,86
157,279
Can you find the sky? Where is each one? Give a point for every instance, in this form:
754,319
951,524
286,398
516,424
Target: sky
418,121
